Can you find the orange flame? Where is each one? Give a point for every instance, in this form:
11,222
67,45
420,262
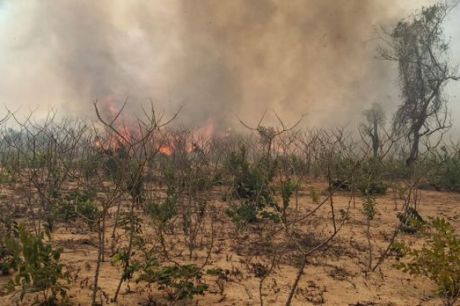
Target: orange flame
166,150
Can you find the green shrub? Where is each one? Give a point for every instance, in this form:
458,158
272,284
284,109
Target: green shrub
439,259
369,209
8,229
38,267
89,212
165,210
251,182
78,204
445,171
411,221
251,185
179,282
288,188
242,213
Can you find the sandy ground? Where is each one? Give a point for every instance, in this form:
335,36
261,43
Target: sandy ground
335,276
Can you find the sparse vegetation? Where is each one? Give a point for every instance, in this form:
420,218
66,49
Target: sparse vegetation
135,210
438,259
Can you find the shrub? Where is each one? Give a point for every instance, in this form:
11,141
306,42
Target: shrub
439,259
8,230
179,282
164,211
78,204
242,213
251,184
38,267
370,177
89,212
411,221
445,172
288,188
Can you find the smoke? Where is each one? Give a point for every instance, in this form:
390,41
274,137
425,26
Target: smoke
217,58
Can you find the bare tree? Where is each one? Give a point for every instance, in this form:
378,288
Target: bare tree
420,49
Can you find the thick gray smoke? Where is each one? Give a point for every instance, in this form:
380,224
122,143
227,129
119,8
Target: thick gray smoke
216,57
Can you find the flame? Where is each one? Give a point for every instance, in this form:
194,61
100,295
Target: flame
166,150
113,141
167,146
207,131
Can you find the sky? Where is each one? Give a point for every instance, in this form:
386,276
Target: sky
219,59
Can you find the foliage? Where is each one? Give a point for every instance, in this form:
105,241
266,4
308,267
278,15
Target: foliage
164,211
420,48
8,230
251,181
288,188
438,259
89,212
78,204
178,281
411,221
369,207
342,170
38,267
242,213
445,171
370,177
135,181
251,184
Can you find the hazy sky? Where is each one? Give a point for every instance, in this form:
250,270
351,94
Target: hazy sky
215,57
453,31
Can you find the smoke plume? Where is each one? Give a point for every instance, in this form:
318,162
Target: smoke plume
217,58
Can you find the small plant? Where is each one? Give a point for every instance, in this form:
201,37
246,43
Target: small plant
222,277
76,205
8,230
164,211
38,267
179,282
369,212
89,212
251,185
445,172
251,182
242,213
439,259
411,221
135,182
288,188
369,207
314,195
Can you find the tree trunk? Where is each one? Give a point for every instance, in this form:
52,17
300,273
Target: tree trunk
413,151
376,140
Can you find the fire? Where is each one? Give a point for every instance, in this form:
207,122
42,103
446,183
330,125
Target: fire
166,150
112,114
167,145
207,131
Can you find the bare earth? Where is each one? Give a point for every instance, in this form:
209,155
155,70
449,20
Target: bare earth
334,276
